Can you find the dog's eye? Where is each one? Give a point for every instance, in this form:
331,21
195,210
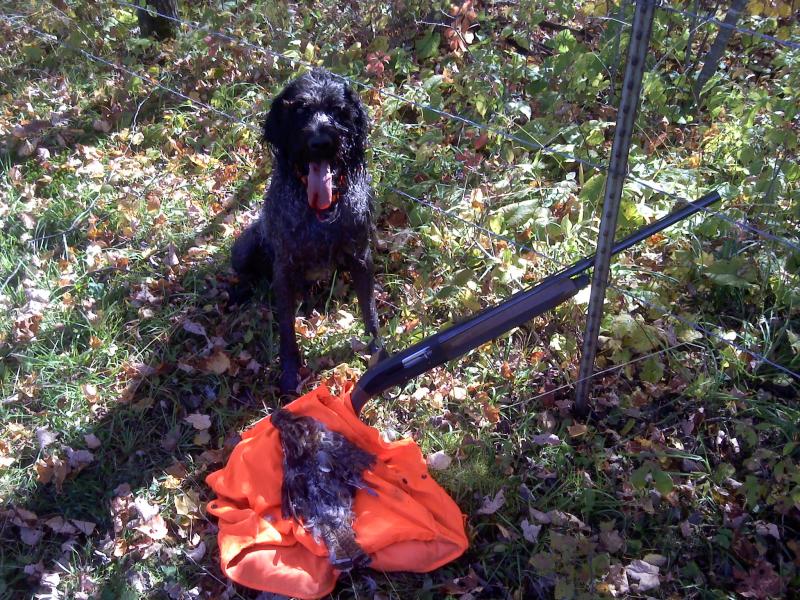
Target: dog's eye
341,111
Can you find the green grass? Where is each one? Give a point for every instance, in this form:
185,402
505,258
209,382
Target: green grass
119,234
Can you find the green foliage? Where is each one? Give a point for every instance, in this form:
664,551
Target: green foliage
117,236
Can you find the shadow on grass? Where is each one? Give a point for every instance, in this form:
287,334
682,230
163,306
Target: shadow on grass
140,433
177,321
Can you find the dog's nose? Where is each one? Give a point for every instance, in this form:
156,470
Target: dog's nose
320,142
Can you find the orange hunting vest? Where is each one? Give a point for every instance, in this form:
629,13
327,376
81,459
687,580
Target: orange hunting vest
409,524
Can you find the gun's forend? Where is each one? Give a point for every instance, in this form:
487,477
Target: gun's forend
465,336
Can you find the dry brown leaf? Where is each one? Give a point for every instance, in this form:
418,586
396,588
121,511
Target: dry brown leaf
90,392
29,536
177,470
217,363
529,531
155,528
92,441
439,461
51,469
492,505
490,412
644,574
45,437
546,439
26,327
198,421
6,460
577,430
85,527
612,541
201,438
59,525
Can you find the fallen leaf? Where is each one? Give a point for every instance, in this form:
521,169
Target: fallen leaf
611,541
90,392
45,437
617,581
506,372
29,536
767,529
217,363
145,510
529,531
492,505
155,528
92,441
86,527
52,469
198,421
78,459
59,525
187,504
197,553
491,413
577,430
539,516
439,461
196,328
546,439
644,574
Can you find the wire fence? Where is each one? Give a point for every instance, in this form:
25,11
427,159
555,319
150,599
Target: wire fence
20,22
528,143
704,20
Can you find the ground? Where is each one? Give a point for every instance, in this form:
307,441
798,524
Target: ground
125,379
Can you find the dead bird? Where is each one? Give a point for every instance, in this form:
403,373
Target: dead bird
321,472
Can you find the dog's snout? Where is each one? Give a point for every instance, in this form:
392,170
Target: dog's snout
320,143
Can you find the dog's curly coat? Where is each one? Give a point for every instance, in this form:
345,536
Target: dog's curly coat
318,208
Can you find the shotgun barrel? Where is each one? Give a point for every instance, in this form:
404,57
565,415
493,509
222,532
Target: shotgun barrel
495,320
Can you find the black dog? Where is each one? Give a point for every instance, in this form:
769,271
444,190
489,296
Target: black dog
318,208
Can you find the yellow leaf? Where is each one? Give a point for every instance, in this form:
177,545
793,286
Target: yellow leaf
577,430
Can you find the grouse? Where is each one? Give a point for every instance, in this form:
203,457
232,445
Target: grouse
321,472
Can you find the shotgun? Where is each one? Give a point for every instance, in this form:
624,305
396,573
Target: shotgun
493,321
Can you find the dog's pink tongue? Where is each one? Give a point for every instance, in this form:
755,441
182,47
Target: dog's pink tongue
320,185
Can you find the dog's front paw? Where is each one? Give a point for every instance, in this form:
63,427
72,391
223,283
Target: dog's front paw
239,294
289,382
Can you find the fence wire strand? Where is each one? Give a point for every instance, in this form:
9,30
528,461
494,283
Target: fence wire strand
723,25
13,21
532,144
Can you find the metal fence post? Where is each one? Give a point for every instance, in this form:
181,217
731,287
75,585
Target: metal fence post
617,169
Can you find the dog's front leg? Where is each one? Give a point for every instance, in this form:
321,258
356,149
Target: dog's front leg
284,294
364,283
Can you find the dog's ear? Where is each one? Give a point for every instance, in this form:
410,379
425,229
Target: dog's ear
360,118
274,127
